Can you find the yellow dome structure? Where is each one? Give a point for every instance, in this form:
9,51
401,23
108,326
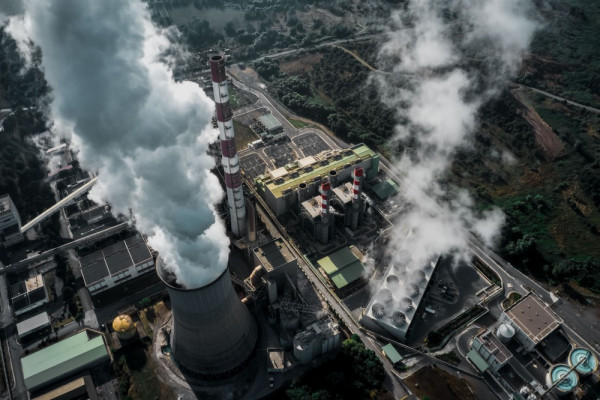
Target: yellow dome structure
124,326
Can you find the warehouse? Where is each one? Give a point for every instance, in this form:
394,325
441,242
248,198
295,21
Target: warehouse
67,357
39,324
343,269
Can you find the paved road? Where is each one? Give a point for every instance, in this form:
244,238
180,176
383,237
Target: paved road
555,97
18,391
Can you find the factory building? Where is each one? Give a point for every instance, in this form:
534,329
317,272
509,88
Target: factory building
394,306
343,269
229,157
275,263
532,319
28,295
297,182
10,223
65,358
116,264
270,125
486,351
319,338
213,333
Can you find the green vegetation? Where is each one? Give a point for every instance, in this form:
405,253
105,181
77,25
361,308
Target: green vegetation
296,123
355,373
243,135
511,299
450,357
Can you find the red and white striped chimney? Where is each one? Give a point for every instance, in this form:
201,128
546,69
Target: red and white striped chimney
357,176
229,160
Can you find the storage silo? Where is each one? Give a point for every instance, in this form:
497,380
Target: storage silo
563,379
213,334
124,326
505,333
586,361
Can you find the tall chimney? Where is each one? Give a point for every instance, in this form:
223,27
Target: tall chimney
324,225
357,175
229,160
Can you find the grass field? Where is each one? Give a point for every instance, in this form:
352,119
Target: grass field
243,135
296,123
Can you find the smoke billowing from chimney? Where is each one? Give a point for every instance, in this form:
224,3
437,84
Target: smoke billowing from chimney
447,59
144,134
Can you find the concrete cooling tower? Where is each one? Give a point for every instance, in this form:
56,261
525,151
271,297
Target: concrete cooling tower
213,334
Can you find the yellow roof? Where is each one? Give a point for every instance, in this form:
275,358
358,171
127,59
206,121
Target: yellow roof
122,323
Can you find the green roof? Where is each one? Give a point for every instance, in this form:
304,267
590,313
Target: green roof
62,359
391,353
358,152
479,362
269,122
342,267
385,189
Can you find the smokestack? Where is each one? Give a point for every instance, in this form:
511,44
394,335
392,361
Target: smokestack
213,333
324,226
251,212
357,175
229,160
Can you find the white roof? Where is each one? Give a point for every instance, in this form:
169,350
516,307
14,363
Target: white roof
278,173
306,161
33,323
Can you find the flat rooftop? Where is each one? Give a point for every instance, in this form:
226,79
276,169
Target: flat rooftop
114,258
494,346
4,203
274,254
533,317
325,162
33,323
344,192
312,206
269,122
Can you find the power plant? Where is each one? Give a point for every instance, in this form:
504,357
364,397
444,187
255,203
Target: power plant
213,334
229,159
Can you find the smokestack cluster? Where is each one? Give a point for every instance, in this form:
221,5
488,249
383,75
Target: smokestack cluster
229,160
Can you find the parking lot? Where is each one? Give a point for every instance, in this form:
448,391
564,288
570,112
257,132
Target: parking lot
253,166
310,144
280,154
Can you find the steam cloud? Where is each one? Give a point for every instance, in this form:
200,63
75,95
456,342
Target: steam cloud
145,134
447,59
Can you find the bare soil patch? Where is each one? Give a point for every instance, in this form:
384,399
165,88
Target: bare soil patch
544,135
300,65
437,384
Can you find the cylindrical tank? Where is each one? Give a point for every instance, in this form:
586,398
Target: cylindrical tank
213,334
588,363
333,177
505,333
568,380
124,327
303,192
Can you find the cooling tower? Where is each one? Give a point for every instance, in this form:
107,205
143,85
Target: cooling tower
213,334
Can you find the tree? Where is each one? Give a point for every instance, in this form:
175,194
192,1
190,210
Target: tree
230,29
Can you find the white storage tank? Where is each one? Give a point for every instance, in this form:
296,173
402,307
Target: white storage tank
505,333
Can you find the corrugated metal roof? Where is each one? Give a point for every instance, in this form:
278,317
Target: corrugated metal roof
385,189
479,362
33,323
269,122
62,358
390,352
342,267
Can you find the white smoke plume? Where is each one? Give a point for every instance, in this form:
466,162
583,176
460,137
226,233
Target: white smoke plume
447,59
144,134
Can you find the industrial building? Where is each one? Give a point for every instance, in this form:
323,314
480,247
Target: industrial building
532,319
343,269
10,223
299,181
270,124
487,351
276,265
319,338
36,324
116,264
213,333
28,295
65,358
394,306
77,389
